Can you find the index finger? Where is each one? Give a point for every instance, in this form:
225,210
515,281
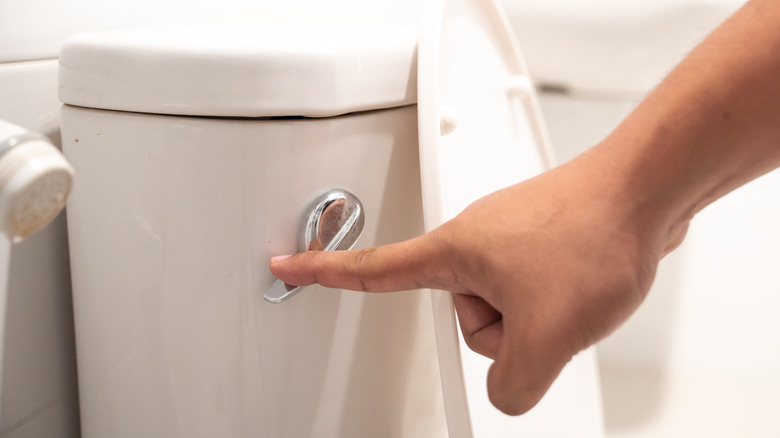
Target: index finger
417,263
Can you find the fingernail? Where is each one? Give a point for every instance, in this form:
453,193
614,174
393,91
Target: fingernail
278,258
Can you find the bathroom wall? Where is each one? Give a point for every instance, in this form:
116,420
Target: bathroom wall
34,29
610,48
700,357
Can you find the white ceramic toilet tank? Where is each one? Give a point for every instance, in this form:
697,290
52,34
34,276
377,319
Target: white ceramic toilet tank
173,223
173,337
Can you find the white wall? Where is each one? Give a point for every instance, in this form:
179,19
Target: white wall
34,29
614,48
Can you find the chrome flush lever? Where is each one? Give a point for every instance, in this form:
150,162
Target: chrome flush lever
335,222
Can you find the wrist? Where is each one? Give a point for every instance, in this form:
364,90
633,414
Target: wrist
646,198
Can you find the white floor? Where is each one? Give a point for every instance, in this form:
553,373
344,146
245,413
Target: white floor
643,401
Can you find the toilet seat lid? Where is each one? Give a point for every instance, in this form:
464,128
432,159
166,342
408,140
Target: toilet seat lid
265,69
480,129
477,107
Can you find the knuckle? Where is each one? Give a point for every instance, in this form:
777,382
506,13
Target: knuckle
362,259
468,338
360,264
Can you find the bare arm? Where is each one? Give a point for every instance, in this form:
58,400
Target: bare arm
557,270
710,127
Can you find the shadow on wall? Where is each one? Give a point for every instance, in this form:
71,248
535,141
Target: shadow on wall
634,360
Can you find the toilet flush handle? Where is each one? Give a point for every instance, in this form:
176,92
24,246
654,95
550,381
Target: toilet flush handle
334,222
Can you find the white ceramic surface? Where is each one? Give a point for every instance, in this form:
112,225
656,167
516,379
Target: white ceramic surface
170,242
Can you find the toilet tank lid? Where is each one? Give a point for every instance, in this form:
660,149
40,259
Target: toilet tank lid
241,70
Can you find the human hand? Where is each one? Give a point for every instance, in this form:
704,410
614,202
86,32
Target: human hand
539,271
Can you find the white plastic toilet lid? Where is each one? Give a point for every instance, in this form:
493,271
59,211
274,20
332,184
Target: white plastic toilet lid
480,129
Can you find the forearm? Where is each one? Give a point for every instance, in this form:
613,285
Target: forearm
711,126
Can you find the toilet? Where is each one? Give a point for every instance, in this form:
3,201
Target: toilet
199,152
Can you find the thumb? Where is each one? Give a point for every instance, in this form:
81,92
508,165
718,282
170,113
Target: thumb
517,382
412,264
531,356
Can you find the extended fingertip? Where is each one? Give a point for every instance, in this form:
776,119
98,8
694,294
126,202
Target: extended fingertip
279,258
